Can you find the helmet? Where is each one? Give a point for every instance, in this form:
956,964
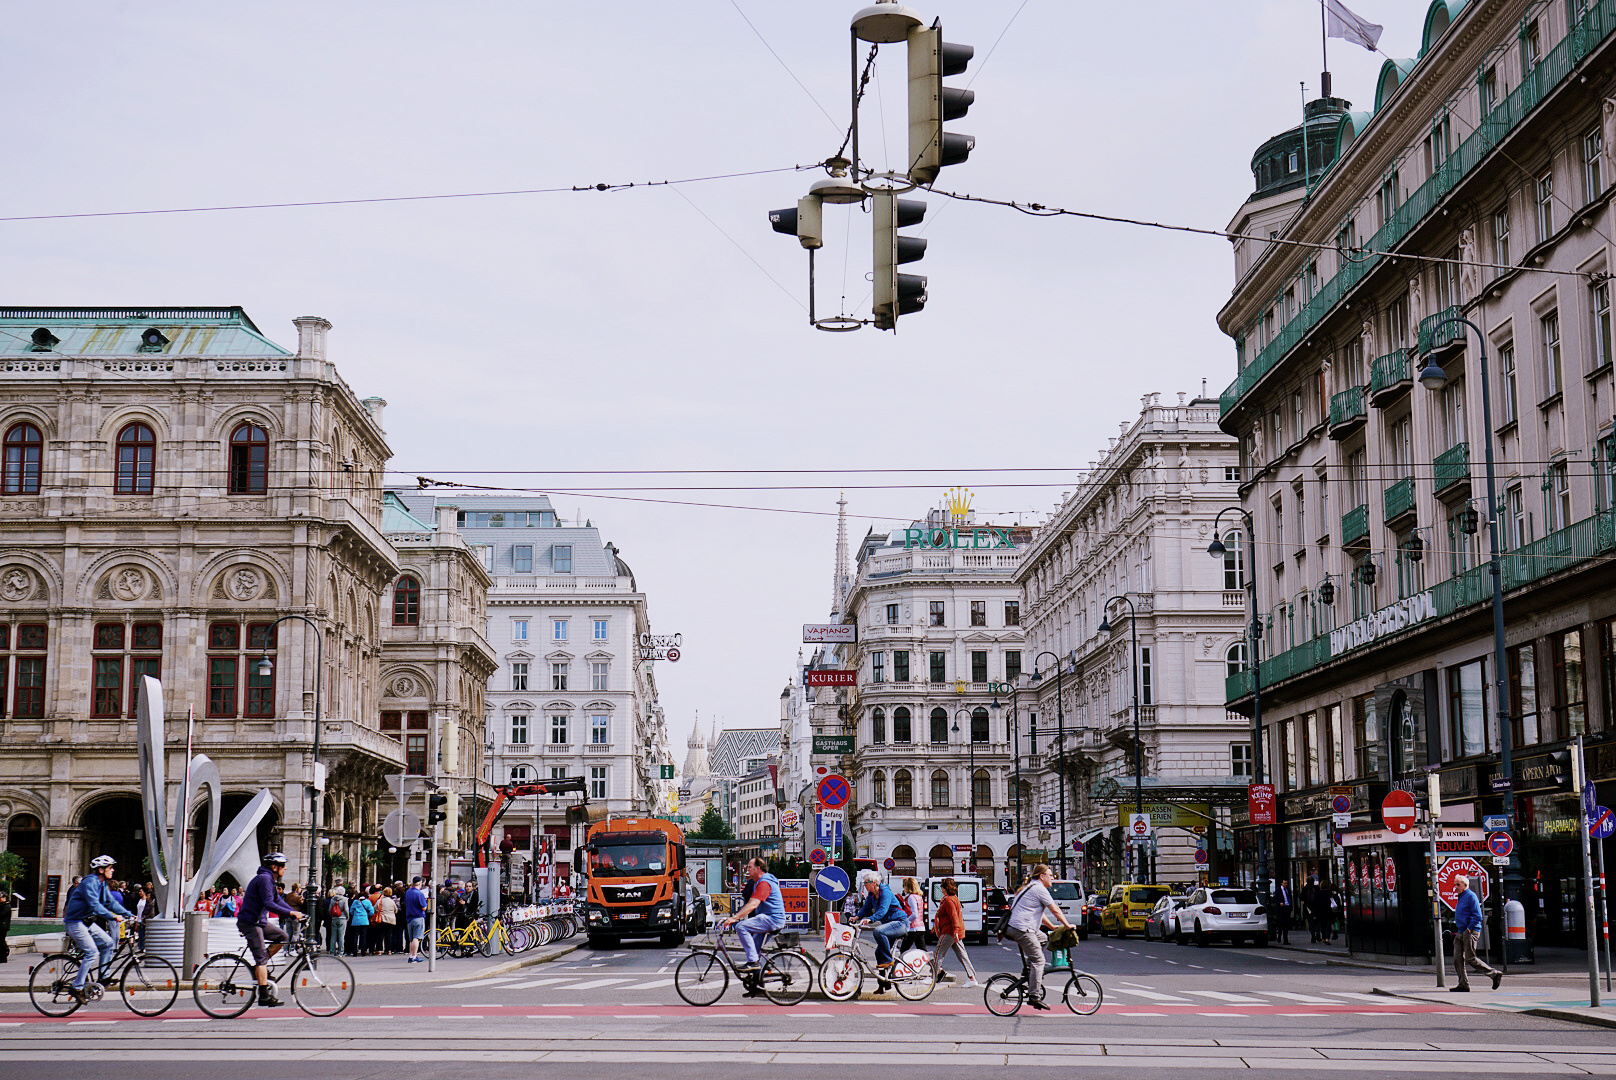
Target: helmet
275,858
101,862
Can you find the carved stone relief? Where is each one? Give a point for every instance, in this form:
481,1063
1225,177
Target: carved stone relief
16,583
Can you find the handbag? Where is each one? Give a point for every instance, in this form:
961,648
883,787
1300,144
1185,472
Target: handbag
1063,938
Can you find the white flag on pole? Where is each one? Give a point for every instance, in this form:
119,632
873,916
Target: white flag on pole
1341,23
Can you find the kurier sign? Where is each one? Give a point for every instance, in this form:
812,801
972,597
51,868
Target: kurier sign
969,537
829,677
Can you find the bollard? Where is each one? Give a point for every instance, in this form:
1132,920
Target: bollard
1517,949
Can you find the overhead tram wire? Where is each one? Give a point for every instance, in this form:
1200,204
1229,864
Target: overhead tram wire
753,26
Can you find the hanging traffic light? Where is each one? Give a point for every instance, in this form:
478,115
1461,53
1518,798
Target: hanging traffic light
805,221
896,294
931,103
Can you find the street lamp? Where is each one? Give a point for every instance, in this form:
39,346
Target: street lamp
1432,377
970,786
265,668
1138,750
1060,724
1247,565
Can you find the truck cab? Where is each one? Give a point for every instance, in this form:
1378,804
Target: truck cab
636,881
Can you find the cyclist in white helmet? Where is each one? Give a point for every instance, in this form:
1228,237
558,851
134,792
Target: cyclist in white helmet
260,898
91,900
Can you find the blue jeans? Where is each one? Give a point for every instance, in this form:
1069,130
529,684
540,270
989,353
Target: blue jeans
95,942
752,932
885,934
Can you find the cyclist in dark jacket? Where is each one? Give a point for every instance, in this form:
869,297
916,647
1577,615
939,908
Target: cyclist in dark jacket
260,899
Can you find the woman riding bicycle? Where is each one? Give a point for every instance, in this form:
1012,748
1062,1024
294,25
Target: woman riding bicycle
1031,908
885,916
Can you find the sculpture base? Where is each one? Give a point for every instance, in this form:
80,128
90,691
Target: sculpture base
166,938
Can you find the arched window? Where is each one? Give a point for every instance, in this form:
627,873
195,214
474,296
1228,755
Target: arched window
137,459
984,863
879,783
249,460
939,788
941,862
903,790
1234,562
979,725
25,446
903,860
878,726
900,725
407,602
939,726
1235,658
981,789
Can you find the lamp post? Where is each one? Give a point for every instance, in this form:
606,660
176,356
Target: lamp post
970,786
1432,377
1138,749
1060,724
1254,637
266,666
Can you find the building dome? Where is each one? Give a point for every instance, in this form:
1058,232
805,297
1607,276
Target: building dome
1281,164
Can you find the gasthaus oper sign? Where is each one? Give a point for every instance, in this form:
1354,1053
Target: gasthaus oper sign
1388,620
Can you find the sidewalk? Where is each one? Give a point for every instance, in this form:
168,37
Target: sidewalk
1562,1002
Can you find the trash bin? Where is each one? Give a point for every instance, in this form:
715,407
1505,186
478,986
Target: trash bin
196,941
166,938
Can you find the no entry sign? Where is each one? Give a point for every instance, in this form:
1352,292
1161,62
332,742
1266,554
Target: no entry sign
1397,811
1448,890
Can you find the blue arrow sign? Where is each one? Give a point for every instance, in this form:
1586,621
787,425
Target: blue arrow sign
831,883
1495,822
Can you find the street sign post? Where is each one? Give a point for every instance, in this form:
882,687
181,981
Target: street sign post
1046,819
1397,811
834,791
1341,804
818,856
833,744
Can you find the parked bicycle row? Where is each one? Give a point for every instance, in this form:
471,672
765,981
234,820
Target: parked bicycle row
513,931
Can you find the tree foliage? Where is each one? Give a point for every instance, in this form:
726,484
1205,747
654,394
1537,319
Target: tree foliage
712,827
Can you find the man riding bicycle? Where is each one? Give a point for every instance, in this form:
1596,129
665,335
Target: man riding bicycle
770,905
260,898
887,919
1032,907
92,899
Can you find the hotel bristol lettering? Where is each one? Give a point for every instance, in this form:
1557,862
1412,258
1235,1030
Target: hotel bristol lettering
970,537
1388,620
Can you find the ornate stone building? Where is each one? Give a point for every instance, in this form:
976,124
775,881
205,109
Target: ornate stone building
173,483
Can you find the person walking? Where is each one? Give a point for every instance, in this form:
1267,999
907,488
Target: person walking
338,943
1467,933
914,904
359,913
386,920
950,924
1031,908
1282,913
5,923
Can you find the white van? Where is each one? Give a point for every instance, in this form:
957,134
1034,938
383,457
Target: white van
1071,896
970,898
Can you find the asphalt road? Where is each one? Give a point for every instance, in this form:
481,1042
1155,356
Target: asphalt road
1169,1011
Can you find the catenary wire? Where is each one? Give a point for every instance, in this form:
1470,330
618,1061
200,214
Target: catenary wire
834,125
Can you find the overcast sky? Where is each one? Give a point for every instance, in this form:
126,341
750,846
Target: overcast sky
663,328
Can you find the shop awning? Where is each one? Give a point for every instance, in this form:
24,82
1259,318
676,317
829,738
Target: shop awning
1219,791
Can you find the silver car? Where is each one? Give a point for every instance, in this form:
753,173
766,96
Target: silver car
1229,913
1161,922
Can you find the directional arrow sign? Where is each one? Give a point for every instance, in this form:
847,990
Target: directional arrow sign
1397,811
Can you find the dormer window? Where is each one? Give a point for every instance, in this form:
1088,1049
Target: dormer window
1291,165
43,340
152,340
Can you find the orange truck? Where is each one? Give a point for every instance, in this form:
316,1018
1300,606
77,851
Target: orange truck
637,888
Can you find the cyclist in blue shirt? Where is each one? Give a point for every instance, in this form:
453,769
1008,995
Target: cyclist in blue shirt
883,914
91,899
770,905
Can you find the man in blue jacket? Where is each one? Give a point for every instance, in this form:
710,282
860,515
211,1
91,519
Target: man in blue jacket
90,899
1467,932
770,905
884,915
415,919
260,898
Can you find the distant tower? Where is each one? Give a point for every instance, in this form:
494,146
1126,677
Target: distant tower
696,765
842,583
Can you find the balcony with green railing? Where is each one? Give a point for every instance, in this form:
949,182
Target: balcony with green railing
1389,375
1590,539
1398,499
1451,467
1585,34
1437,333
1355,524
1348,411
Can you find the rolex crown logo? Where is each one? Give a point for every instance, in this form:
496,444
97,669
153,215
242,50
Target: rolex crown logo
958,502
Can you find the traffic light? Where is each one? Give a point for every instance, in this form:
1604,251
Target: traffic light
805,221
433,813
896,294
930,102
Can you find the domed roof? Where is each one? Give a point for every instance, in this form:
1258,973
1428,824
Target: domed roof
1283,163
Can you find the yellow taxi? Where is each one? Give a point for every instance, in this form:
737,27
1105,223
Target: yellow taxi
1129,907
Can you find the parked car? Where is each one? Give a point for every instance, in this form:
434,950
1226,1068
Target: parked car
1230,914
1162,923
1092,909
1069,896
1129,907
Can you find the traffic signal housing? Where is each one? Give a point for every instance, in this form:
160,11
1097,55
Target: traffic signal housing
434,813
896,294
805,221
931,59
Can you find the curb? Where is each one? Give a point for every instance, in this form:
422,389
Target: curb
1544,1011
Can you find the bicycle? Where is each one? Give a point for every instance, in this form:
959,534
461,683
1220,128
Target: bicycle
147,983
321,984
785,976
484,934
1006,993
844,969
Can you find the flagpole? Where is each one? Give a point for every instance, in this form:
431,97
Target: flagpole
1324,51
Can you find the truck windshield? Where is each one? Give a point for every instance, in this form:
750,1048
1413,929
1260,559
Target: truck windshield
629,860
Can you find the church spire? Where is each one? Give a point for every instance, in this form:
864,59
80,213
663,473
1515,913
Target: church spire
842,583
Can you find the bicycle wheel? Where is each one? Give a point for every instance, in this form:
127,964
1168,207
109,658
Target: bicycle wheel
1083,995
787,977
149,985
701,978
544,932
522,939
322,985
1004,994
916,987
224,987
50,987
841,976
494,940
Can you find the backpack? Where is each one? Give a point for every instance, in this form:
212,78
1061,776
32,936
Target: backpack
336,908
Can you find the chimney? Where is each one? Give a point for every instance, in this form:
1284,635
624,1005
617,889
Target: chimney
448,518
311,336
374,406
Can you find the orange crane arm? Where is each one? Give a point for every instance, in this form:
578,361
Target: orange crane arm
505,793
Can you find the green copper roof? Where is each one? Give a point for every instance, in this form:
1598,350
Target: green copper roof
77,331
397,519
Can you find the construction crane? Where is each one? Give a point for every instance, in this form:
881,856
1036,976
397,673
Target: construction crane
505,793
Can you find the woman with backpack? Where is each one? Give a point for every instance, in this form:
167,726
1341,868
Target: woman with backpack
359,913
337,942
